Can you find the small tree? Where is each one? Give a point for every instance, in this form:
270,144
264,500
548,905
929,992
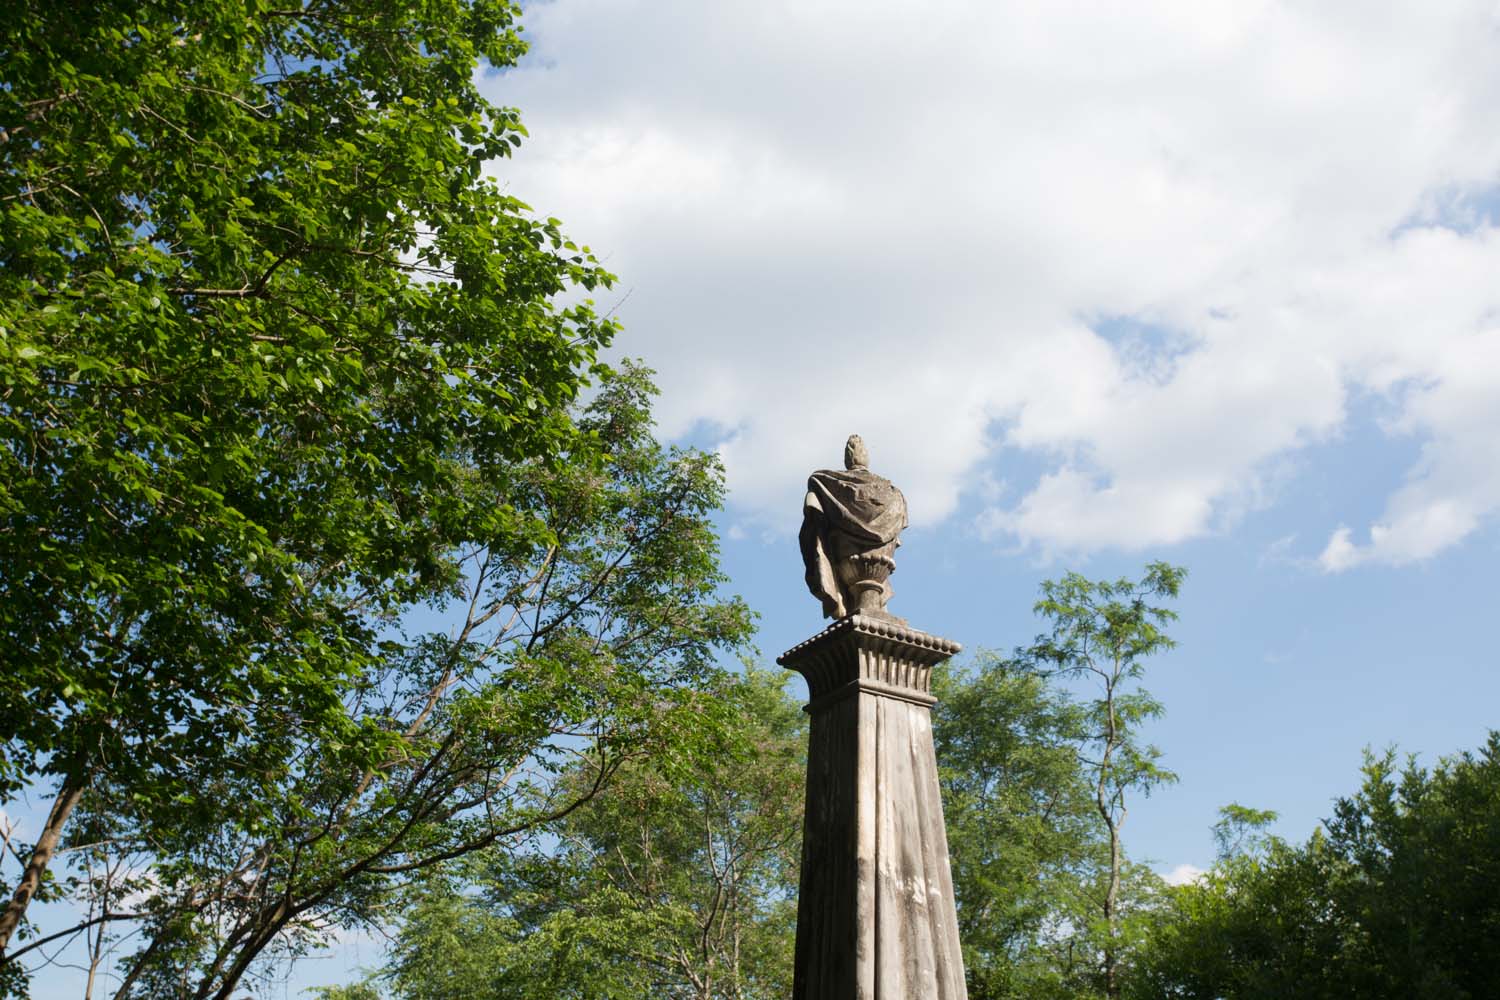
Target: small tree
1022,833
1241,830
674,882
1103,632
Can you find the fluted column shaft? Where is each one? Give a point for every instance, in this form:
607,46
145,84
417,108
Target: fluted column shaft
875,915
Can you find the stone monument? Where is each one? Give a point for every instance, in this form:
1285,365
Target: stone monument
875,914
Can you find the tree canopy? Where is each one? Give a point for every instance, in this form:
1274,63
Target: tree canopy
281,363
1396,898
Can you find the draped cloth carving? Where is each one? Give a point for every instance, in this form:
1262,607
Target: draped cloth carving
851,526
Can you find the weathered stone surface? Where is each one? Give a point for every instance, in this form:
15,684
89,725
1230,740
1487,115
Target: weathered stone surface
875,915
851,526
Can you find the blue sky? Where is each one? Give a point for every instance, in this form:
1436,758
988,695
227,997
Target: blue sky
1282,675
1210,282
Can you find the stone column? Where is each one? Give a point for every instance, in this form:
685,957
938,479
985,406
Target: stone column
875,917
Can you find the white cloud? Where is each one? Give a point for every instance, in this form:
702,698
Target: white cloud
1183,874
919,222
1456,482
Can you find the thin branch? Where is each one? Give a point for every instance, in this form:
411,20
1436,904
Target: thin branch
247,291
75,929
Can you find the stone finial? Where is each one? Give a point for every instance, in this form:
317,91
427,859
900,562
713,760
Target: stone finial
851,527
856,455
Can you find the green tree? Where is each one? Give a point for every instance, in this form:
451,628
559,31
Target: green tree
1102,632
280,364
1023,837
1397,899
572,657
357,991
268,338
672,882
1241,830
1253,926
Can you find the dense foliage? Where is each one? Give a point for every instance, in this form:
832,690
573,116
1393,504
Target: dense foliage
566,661
240,424
1399,897
311,573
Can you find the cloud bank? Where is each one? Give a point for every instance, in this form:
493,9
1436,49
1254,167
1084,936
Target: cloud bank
1155,249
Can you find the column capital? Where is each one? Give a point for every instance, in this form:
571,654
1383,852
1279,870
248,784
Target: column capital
865,653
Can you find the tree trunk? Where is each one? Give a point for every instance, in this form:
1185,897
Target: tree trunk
1106,810
41,856
1111,917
